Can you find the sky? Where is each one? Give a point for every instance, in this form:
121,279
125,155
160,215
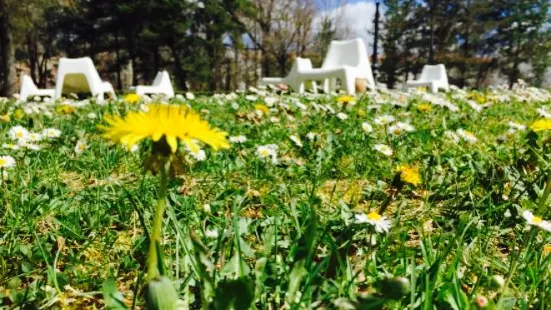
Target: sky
357,16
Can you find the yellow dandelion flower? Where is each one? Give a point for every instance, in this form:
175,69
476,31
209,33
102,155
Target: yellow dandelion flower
547,249
346,99
66,109
409,174
18,114
424,107
173,122
262,108
542,124
132,98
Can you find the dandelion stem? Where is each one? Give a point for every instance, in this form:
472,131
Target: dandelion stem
155,238
514,265
545,195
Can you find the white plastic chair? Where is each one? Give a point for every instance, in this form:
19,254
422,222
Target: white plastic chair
161,85
28,88
432,76
347,61
76,75
292,79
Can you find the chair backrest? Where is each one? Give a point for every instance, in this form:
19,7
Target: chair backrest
27,83
342,53
77,75
164,79
158,77
434,72
301,64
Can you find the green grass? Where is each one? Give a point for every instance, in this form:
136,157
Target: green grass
73,228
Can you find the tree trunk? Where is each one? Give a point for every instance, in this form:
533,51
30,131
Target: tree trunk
9,75
118,59
179,73
431,35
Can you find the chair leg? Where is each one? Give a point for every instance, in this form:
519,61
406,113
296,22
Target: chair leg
315,87
350,82
326,85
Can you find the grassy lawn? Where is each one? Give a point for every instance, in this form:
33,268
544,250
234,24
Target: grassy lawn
384,201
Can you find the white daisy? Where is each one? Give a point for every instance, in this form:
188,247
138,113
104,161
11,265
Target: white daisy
11,146
190,96
467,135
34,137
200,155
537,221
51,133
452,135
18,133
211,233
80,147
296,140
251,98
383,148
311,136
384,119
543,113
31,146
405,126
516,126
367,128
380,223
395,130
342,116
267,152
238,139
6,162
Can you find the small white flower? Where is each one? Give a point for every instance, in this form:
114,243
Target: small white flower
6,162
384,119
206,208
211,233
384,149
190,96
235,105
516,126
507,213
18,133
311,136
537,221
296,140
30,146
34,137
451,135
11,146
238,139
51,133
380,223
251,98
395,130
200,155
274,119
267,152
367,128
467,136
405,126
92,115
270,101
342,116
543,113
80,147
